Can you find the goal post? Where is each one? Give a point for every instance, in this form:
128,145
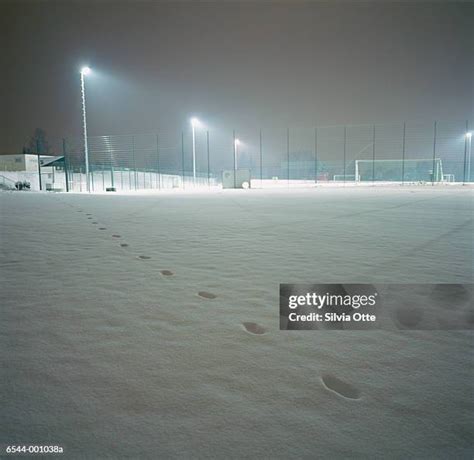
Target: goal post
407,170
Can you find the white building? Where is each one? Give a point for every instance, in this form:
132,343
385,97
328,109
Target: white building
24,167
27,162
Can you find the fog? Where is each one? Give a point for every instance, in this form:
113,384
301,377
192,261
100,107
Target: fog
236,65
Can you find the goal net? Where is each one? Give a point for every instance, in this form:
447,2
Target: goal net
344,178
408,170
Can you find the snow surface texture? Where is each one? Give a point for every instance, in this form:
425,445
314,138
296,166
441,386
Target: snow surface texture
146,326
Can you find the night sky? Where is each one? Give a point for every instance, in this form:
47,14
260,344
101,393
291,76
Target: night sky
234,64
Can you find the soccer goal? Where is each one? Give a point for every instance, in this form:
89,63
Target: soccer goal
407,170
344,178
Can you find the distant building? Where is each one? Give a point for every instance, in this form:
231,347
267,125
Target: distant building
21,161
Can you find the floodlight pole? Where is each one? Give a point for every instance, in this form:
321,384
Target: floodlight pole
236,154
194,151
84,122
208,163
434,175
235,159
469,143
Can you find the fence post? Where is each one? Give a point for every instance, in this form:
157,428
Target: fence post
403,152
465,153
39,165
134,163
235,160
112,181
434,153
288,154
315,155
344,159
469,152
373,156
261,160
145,168
158,161
208,163
65,166
182,154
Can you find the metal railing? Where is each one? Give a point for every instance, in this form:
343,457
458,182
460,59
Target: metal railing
6,183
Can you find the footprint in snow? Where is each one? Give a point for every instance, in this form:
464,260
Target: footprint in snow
254,328
166,272
344,389
206,295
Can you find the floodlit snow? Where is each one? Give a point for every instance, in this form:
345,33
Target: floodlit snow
146,325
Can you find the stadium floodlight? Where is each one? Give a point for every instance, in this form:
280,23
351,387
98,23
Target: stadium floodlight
84,72
194,123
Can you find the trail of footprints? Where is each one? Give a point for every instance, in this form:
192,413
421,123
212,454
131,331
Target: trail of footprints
166,273
329,381
252,328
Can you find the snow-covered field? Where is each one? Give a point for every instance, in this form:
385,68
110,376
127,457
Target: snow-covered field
146,326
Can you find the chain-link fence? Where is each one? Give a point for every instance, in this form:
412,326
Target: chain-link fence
299,156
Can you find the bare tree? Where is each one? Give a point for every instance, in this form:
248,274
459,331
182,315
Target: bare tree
38,143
